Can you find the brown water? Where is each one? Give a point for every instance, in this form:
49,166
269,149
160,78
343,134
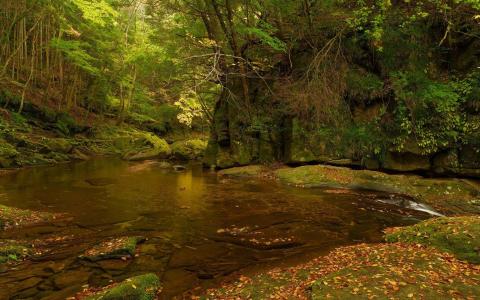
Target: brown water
200,228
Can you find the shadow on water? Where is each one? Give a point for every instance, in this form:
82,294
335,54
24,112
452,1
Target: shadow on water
200,228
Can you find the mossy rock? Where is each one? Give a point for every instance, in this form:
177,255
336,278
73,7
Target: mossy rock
13,251
316,176
114,248
15,217
189,149
59,145
143,287
406,162
122,142
247,171
301,156
157,149
448,196
156,153
7,150
225,159
457,235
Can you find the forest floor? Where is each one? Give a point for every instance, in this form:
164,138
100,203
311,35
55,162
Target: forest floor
364,271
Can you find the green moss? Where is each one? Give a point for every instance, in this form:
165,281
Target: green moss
247,171
189,149
113,248
459,236
14,217
143,287
12,251
7,150
58,145
316,176
379,271
449,196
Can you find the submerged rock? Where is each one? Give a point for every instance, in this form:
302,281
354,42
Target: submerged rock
114,248
164,165
143,287
15,217
179,168
70,278
102,181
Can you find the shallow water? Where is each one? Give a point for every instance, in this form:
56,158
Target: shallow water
200,228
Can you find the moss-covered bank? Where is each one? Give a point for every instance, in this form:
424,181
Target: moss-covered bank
404,270
448,196
44,137
459,236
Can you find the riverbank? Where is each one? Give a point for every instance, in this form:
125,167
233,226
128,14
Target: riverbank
446,195
43,137
364,271
437,258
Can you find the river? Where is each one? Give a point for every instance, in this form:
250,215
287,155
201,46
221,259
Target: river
200,228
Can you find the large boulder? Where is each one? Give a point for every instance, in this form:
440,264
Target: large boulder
189,149
446,162
154,148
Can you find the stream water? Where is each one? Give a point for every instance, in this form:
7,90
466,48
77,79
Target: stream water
200,228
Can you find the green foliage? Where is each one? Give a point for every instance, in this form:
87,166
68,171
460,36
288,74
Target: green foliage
98,12
74,52
364,85
264,32
429,110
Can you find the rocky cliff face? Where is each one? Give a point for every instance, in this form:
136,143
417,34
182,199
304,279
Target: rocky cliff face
387,120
